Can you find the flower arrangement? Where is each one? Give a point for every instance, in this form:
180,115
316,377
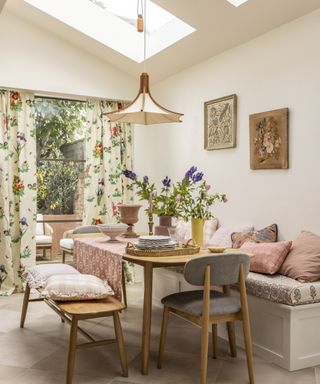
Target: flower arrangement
195,200
188,198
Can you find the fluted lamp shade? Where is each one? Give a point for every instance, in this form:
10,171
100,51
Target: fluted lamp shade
144,109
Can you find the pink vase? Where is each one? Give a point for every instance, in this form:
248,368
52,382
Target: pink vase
129,215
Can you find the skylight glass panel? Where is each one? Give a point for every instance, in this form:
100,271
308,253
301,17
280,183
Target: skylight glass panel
236,3
113,23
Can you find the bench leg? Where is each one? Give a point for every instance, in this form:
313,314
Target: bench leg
72,349
124,289
120,341
25,305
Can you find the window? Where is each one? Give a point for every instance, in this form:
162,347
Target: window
60,155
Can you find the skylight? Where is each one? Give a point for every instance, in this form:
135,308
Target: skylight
113,23
236,3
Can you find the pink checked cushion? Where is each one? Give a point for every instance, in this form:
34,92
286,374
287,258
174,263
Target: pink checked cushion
267,257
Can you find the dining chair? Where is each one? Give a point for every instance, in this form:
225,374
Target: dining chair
207,306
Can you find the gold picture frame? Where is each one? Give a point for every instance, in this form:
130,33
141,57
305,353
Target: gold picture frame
269,139
220,123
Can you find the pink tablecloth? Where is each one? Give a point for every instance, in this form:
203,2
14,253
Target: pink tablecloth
95,256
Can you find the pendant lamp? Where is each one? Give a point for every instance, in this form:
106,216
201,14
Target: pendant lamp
144,109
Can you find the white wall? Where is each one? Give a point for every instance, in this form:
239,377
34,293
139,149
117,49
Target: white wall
32,58
279,69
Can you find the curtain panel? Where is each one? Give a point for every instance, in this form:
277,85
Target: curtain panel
17,188
108,151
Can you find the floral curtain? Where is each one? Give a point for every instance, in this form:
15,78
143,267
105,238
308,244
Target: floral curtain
17,188
108,152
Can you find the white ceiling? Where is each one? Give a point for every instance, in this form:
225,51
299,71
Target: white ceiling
220,26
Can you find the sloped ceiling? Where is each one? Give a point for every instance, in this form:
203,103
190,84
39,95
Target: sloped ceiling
220,26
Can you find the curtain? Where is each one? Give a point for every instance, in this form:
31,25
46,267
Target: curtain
108,152
17,188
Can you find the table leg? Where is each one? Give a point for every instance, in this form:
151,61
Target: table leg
146,324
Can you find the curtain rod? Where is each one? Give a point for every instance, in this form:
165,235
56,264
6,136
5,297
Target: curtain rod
62,96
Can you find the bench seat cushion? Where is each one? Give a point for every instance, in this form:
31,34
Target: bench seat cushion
282,289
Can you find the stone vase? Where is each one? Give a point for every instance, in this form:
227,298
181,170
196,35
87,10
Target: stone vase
165,222
129,215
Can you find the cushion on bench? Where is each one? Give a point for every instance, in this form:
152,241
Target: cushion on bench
282,289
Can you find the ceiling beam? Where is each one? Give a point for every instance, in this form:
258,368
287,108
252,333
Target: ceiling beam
2,3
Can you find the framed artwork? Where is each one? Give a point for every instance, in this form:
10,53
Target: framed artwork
269,139
220,123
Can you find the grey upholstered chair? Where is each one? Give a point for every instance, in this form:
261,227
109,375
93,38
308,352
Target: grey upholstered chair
206,306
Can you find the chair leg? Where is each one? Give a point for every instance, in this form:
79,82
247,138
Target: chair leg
44,253
72,349
204,352
120,340
25,305
124,289
163,335
63,257
214,340
248,347
232,338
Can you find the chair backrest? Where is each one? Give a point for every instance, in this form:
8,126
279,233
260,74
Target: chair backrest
40,226
225,268
86,229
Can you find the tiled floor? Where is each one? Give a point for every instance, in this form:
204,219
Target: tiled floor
37,354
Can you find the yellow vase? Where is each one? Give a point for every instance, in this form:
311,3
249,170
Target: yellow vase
197,230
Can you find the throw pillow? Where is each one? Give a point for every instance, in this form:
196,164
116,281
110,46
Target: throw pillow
267,257
303,261
222,237
76,288
38,275
266,235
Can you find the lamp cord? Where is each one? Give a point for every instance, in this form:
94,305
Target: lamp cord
144,35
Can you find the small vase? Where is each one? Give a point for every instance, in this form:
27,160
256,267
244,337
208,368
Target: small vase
129,215
197,226
165,223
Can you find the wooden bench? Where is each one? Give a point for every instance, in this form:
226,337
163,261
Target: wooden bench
73,312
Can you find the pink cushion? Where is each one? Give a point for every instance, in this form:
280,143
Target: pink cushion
267,257
303,261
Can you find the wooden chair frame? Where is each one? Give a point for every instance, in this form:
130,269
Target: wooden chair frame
61,308
204,322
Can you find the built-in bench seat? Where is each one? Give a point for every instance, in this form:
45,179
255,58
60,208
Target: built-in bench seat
282,289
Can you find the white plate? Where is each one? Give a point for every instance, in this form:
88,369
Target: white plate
154,238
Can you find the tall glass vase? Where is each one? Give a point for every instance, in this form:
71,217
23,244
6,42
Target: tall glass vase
197,226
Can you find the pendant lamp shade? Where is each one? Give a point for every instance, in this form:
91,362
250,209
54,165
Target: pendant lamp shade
144,109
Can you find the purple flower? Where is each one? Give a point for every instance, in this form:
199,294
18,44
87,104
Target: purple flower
145,180
129,174
208,187
224,198
190,172
166,182
21,136
178,198
197,177
23,221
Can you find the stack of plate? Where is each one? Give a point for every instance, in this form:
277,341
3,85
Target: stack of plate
155,242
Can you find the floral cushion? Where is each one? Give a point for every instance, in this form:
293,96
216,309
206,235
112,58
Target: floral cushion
76,288
266,235
282,289
38,275
222,237
267,257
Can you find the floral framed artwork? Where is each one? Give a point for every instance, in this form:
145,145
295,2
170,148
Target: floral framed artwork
269,139
220,123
